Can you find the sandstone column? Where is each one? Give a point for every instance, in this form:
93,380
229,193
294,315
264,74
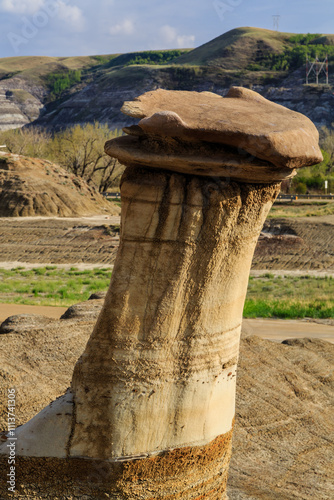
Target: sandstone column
151,408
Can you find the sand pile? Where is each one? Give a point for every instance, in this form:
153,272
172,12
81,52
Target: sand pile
36,187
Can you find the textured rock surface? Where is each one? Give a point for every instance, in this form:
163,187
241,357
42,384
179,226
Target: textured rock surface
284,438
18,106
81,312
196,158
175,303
23,322
243,119
34,187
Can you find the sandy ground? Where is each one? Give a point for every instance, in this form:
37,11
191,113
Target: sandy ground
304,244
94,219
283,329
271,329
79,265
7,310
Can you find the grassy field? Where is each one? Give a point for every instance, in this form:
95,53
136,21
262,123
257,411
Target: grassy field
301,209
289,297
51,285
268,296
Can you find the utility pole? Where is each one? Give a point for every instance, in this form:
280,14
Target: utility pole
316,67
276,19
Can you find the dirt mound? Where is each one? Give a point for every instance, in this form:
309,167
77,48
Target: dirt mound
82,312
284,435
23,322
35,187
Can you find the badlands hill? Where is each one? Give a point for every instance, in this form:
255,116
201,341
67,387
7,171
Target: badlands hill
284,436
58,92
34,187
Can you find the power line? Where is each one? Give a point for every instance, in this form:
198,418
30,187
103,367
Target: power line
276,19
317,68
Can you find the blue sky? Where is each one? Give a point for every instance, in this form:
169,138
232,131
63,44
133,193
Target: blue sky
87,27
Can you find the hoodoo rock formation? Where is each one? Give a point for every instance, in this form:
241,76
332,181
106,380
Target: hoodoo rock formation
151,408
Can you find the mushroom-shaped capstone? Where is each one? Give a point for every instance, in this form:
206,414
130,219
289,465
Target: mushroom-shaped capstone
151,409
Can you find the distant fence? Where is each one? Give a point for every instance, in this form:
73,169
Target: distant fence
293,197
290,197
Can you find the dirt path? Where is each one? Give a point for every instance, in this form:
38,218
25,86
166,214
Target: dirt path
271,329
7,310
282,329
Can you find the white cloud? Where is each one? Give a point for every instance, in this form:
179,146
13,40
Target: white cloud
168,33
170,36
72,15
124,28
185,41
21,6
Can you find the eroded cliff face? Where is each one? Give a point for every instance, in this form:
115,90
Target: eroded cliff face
21,103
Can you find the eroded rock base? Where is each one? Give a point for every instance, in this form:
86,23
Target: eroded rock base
191,473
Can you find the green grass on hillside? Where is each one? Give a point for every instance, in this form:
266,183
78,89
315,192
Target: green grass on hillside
237,48
37,69
242,56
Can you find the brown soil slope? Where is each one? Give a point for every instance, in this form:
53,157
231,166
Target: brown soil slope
34,187
283,441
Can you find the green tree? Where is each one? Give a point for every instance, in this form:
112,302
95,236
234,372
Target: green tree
32,141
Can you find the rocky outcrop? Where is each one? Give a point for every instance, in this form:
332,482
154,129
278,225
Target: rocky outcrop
250,122
20,103
23,322
34,187
152,400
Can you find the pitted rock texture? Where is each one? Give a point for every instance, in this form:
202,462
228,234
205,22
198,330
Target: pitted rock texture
34,187
243,119
170,475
